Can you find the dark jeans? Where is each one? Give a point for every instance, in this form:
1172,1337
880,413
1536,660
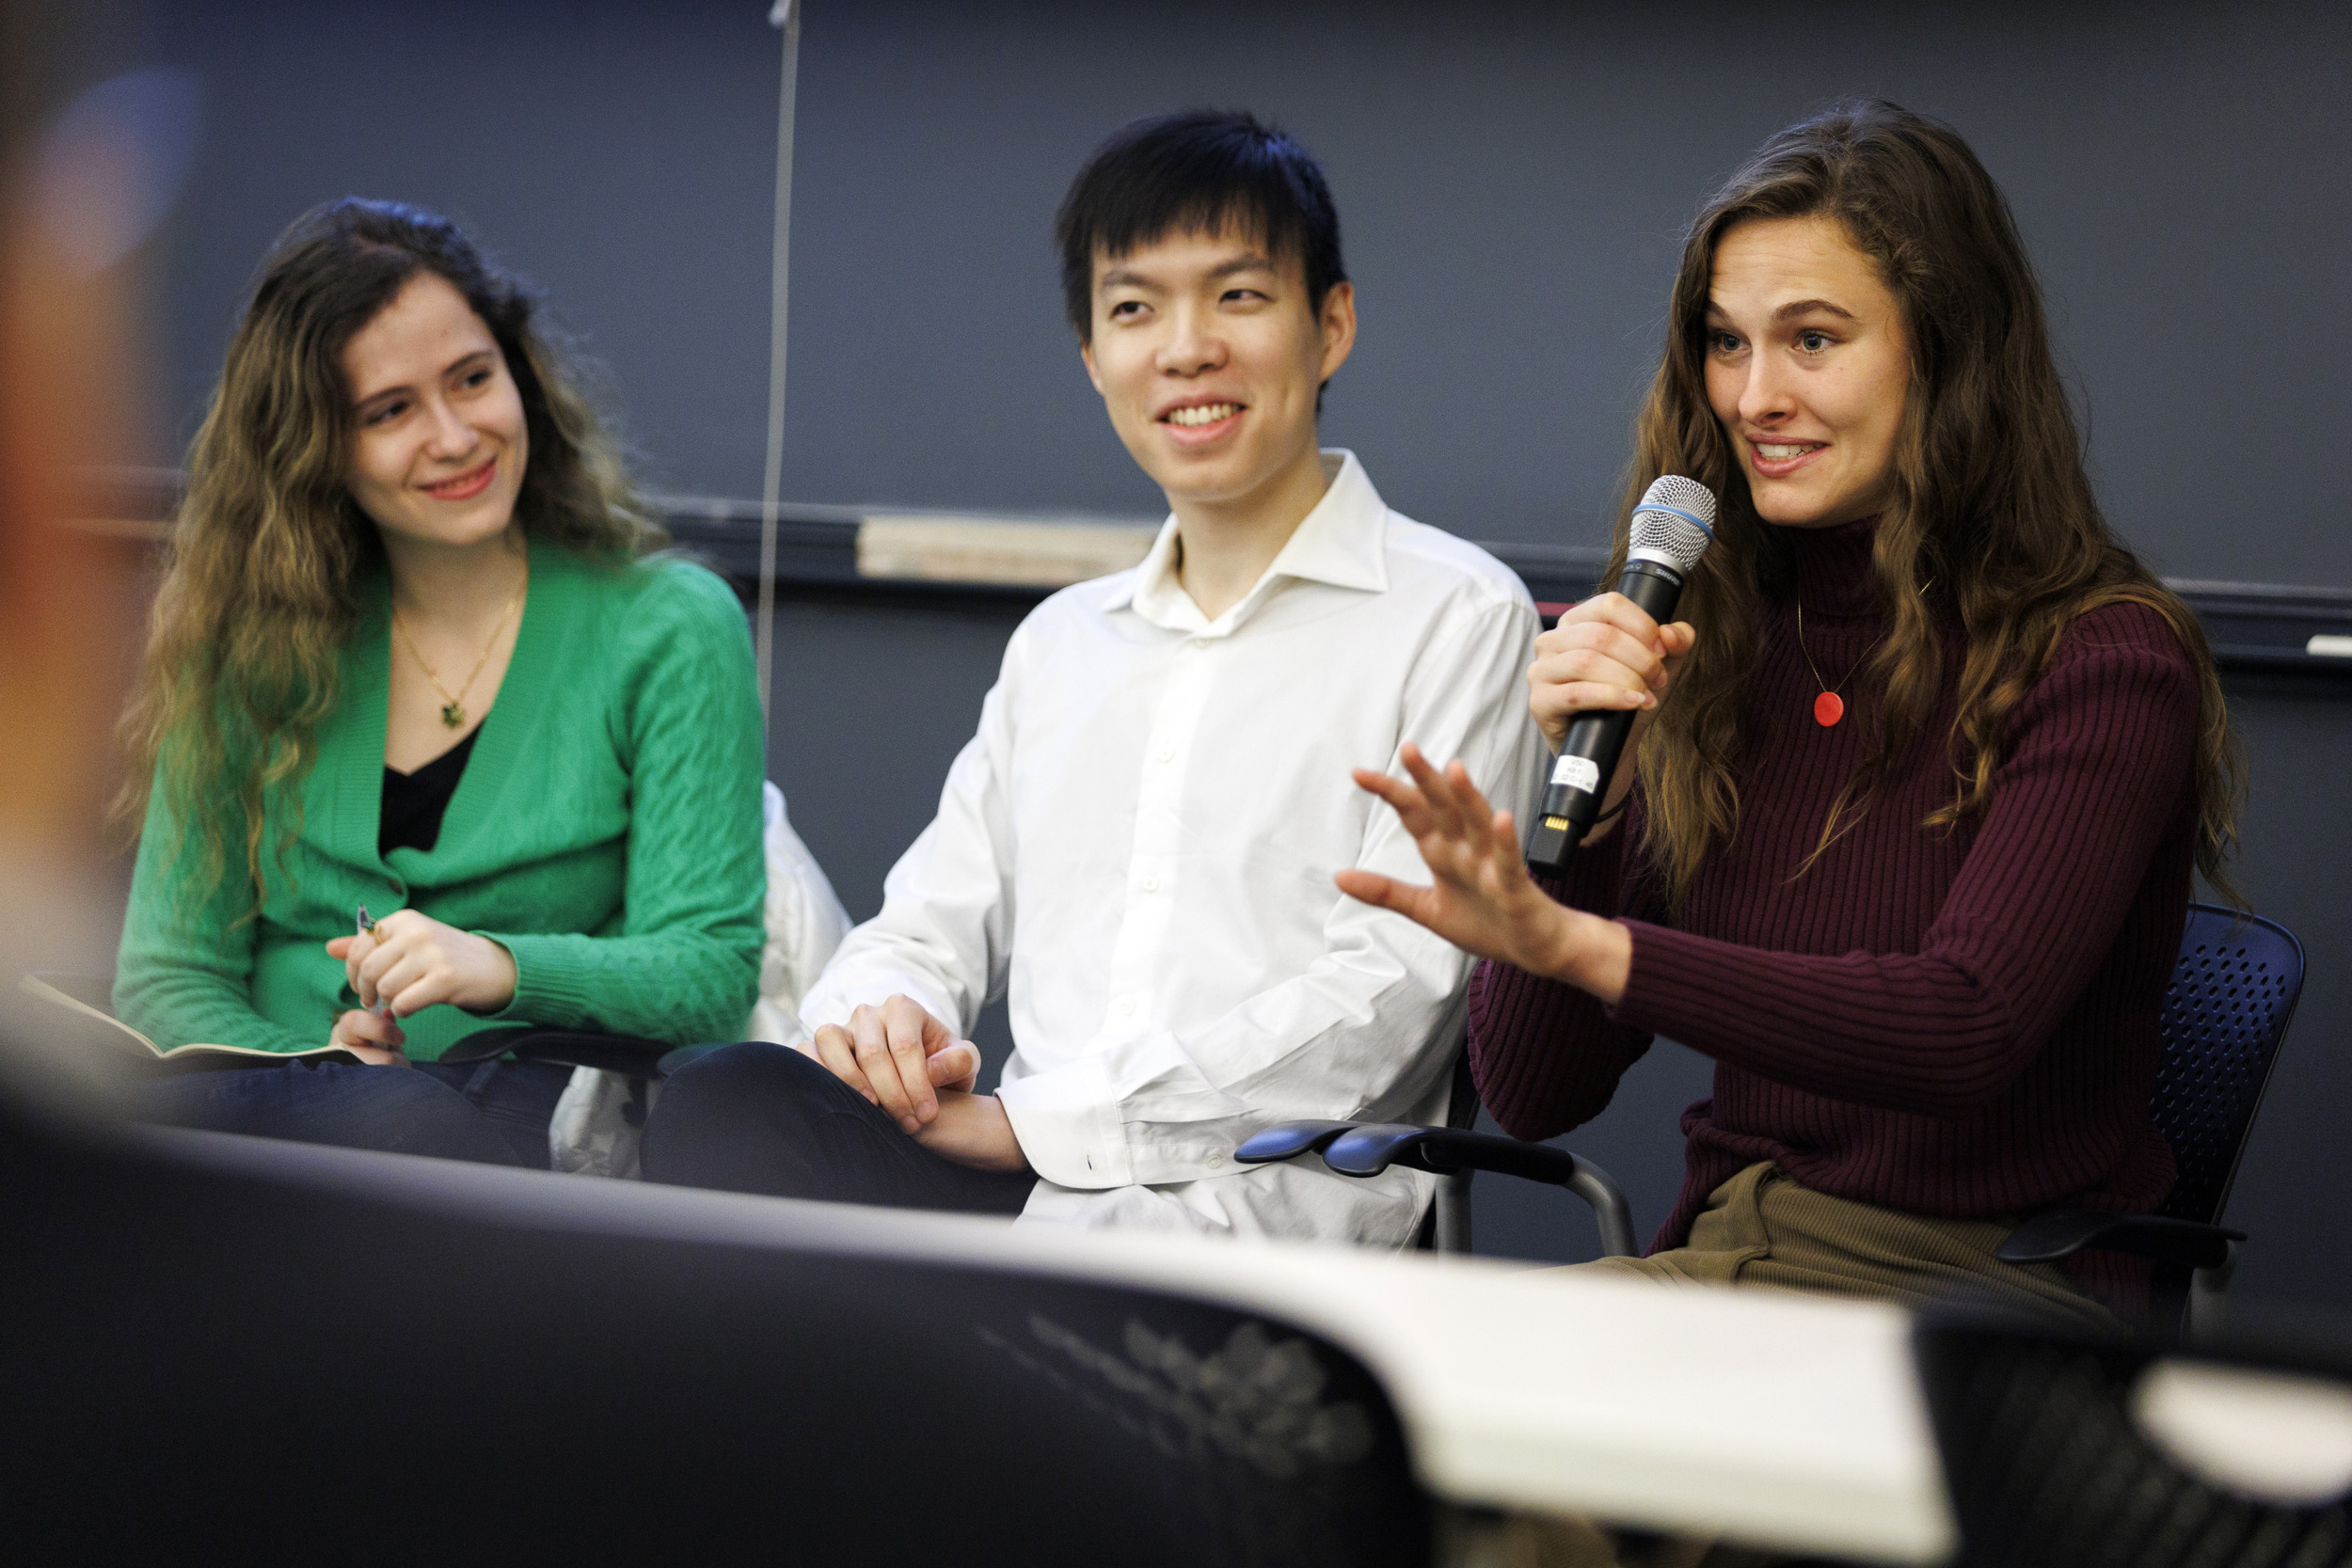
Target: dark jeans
761,1118
493,1112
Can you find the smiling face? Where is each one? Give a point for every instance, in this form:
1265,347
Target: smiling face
1209,355
440,438
1808,369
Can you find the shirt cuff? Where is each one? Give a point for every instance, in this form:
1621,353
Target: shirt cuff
1069,1125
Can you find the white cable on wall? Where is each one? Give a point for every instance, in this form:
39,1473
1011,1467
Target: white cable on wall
786,14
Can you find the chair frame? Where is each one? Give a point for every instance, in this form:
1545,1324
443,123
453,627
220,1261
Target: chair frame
1452,1153
2194,1258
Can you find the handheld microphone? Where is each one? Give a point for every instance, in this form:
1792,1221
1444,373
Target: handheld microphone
1671,530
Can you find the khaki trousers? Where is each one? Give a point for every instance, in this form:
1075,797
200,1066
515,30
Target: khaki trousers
1760,1230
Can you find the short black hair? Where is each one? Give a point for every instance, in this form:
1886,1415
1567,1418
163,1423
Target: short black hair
1196,172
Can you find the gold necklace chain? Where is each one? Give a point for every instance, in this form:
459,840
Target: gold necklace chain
1825,686
454,704
1829,706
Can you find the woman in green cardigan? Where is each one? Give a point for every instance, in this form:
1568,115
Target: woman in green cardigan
413,655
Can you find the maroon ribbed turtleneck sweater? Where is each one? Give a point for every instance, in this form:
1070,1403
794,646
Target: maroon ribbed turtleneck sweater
1961,1025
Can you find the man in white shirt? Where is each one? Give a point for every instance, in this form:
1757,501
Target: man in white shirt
1138,846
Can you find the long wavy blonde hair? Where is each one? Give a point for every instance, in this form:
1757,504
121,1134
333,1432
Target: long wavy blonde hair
1991,505
262,558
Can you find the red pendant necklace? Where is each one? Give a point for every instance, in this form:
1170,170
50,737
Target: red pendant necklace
1829,708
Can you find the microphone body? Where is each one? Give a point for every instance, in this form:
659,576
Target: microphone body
1671,530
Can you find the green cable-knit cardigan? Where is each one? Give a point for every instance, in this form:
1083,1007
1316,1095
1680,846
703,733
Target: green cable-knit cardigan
606,831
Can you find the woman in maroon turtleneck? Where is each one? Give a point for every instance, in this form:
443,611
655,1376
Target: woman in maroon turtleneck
1903,834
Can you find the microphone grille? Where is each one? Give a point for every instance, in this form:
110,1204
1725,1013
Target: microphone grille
1674,523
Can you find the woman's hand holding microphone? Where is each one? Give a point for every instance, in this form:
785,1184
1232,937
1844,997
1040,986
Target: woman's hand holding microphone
1605,655
409,961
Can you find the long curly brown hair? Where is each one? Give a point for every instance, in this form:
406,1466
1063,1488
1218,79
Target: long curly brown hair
1991,506
258,596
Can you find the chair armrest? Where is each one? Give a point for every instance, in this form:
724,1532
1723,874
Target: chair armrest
2063,1232
1288,1140
1367,1148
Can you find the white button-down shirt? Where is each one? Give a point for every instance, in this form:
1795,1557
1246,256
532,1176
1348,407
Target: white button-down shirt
1137,848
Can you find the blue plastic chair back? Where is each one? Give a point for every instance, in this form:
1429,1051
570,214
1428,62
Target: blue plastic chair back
2232,995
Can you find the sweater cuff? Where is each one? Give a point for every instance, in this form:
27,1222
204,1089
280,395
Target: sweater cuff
1668,968
1069,1125
552,980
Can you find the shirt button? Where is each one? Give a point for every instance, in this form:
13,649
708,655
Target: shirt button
1216,1160
1151,884
1166,754
1127,1006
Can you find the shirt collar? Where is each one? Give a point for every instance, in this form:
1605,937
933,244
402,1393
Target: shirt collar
1343,541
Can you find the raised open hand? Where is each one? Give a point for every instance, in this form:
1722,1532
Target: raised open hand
1480,897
